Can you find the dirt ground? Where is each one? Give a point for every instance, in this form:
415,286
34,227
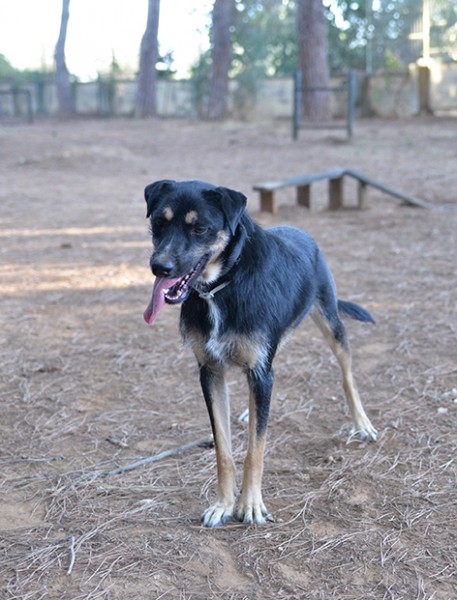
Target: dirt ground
87,387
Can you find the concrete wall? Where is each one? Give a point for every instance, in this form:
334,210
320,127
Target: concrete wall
397,94
391,95
443,88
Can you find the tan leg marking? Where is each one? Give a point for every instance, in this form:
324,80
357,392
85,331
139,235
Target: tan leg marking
362,424
251,508
222,510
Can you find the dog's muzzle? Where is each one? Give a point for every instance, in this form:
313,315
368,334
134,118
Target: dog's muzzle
171,290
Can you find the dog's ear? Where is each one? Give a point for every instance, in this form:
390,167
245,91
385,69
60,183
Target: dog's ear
153,191
233,204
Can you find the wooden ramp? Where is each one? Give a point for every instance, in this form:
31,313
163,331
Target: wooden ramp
335,178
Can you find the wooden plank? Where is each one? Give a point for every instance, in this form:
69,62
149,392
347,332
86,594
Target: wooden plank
335,193
335,177
298,181
387,189
304,195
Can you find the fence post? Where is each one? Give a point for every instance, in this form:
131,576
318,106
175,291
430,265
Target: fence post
296,118
28,98
15,94
39,93
352,95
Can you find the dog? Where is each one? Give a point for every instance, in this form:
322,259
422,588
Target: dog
242,290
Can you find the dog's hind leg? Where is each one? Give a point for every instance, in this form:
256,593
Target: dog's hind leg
334,332
212,378
251,508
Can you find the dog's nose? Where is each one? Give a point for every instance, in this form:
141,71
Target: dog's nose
162,268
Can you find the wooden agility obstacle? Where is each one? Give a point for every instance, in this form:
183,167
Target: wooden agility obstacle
335,190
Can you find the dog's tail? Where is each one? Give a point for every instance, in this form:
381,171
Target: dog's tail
354,311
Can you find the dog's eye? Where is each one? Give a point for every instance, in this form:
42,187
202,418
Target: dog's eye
158,225
199,229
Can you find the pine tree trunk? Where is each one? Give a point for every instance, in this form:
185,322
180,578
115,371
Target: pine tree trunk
62,76
146,105
221,59
313,59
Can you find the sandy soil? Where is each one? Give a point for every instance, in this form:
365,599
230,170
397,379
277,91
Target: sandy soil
87,387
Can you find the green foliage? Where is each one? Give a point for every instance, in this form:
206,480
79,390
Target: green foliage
372,34
12,75
443,32
264,45
348,31
6,69
164,66
376,34
199,74
265,38
16,77
363,34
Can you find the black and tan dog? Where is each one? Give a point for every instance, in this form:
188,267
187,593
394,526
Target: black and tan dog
242,290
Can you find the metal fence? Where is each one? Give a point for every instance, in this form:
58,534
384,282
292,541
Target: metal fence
383,94
343,105
16,106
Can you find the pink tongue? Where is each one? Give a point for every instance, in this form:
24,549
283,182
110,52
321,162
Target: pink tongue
161,285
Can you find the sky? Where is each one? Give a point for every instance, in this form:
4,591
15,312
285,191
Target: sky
98,28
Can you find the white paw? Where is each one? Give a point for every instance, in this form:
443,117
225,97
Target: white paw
252,512
364,431
217,514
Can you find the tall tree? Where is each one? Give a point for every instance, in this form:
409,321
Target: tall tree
221,58
313,59
146,104
64,97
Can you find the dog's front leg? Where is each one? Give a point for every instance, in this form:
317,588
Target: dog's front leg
251,508
212,378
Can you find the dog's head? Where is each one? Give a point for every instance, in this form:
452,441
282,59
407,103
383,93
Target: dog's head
191,222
